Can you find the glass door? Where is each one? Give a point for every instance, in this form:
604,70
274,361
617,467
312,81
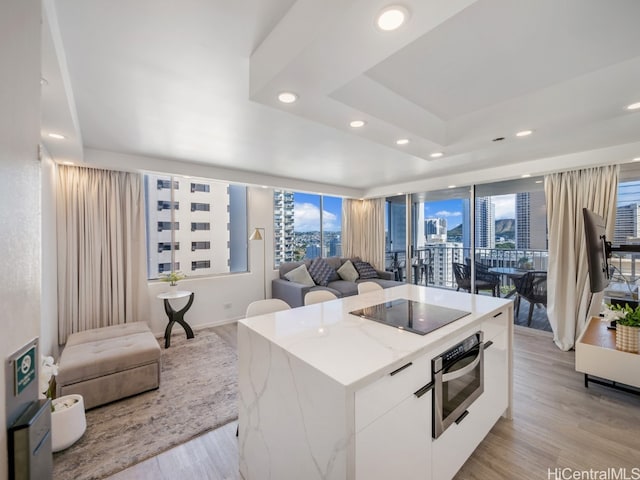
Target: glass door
395,218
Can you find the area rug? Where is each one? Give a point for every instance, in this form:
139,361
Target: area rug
198,391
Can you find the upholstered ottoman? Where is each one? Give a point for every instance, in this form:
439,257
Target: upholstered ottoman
110,363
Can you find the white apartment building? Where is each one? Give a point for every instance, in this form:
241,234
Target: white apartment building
180,225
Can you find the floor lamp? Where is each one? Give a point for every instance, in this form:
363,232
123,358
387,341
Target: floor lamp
256,235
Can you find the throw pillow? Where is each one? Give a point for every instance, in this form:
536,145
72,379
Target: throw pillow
365,269
300,275
321,271
348,272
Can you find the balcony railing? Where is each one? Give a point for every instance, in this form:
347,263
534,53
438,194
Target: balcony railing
432,265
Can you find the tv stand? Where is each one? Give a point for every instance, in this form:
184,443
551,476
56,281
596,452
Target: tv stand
600,361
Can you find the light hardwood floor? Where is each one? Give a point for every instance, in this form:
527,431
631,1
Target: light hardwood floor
557,424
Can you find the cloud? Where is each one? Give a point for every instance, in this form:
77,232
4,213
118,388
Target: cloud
445,213
307,218
505,206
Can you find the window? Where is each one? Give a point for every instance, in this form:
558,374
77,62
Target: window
200,187
306,226
166,205
162,226
162,184
166,267
200,226
199,264
167,246
200,246
627,227
200,207
214,225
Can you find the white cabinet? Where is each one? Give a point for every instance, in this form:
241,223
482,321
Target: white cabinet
396,445
457,443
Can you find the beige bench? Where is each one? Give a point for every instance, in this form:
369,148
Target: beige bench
110,363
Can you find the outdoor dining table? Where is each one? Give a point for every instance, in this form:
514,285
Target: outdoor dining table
512,273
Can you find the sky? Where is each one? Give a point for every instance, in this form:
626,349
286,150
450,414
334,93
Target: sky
452,209
306,210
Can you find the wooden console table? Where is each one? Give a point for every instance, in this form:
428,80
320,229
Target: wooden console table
596,356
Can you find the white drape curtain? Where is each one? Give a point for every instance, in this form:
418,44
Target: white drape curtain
570,303
363,230
101,249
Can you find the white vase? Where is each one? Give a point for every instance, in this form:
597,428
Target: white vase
68,423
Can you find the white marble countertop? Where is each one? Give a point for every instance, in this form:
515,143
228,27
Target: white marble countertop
351,349
174,294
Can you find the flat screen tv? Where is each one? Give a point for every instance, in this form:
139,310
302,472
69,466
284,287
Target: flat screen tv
598,250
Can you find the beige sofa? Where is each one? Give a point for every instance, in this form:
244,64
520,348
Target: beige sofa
110,363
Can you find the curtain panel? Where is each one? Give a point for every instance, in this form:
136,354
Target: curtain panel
570,303
363,230
101,249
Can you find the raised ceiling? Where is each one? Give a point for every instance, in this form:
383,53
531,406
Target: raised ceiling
196,81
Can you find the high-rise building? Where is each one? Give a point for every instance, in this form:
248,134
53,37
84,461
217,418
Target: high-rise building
435,230
443,255
627,223
283,211
531,221
485,223
180,213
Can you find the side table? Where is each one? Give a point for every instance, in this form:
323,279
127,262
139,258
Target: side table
176,315
596,356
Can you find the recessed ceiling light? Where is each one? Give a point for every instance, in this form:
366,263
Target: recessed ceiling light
402,141
287,97
391,17
57,136
451,186
264,186
526,175
633,106
637,159
67,162
436,154
357,123
538,181
524,133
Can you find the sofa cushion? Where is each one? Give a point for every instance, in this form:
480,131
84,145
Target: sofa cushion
300,275
348,272
321,271
345,289
365,270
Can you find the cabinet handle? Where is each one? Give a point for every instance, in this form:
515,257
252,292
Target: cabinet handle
497,314
424,390
488,344
398,370
461,417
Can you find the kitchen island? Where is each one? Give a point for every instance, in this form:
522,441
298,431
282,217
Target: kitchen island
325,394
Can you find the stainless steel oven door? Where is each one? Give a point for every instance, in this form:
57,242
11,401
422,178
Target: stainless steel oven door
458,376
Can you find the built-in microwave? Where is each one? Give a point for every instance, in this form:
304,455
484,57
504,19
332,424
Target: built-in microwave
458,380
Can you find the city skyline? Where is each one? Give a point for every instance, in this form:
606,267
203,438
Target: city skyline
452,209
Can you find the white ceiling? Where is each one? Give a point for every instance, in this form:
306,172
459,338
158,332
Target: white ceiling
196,80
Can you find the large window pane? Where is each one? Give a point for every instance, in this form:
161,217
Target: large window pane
331,226
197,226
306,226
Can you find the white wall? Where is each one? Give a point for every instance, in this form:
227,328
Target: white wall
49,284
19,184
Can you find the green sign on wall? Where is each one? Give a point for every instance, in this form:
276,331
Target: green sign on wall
25,369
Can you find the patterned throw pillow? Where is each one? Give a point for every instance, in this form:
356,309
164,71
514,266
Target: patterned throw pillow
365,270
321,271
300,275
348,272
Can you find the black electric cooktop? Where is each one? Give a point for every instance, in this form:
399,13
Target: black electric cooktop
416,317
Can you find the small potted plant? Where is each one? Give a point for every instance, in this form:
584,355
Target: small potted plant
173,278
627,326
